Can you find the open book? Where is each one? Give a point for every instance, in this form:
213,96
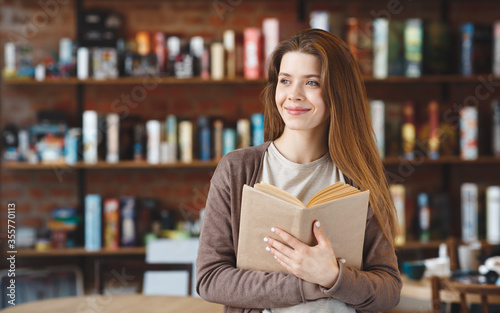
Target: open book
340,208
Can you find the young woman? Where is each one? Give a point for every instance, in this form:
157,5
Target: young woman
319,132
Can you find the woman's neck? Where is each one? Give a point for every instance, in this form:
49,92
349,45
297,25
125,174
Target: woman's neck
301,146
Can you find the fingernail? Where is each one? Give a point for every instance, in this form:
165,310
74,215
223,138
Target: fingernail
273,229
317,224
266,239
276,257
342,260
268,249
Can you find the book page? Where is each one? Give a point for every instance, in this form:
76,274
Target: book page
279,193
335,193
325,191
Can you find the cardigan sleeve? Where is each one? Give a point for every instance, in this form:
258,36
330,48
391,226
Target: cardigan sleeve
218,279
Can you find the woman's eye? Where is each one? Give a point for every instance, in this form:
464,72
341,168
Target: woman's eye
312,83
284,81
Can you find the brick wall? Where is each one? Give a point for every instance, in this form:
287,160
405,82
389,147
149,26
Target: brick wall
38,192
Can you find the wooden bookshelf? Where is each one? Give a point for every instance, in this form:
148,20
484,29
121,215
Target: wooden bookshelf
235,81
79,251
442,160
150,80
106,165
448,160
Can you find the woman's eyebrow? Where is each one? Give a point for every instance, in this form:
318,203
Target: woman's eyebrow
306,76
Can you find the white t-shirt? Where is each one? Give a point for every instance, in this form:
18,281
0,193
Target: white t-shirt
302,181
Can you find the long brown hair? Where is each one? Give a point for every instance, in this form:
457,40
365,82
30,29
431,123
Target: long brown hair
351,140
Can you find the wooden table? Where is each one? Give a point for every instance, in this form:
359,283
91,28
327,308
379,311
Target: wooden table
119,304
422,290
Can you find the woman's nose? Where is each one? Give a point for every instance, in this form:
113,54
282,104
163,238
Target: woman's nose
295,93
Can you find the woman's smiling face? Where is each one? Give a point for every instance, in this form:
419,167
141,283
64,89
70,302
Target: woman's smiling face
299,97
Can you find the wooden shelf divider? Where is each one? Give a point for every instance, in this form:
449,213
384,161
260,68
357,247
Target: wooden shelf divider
212,164
236,81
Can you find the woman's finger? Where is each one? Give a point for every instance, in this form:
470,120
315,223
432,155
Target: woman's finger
287,238
279,246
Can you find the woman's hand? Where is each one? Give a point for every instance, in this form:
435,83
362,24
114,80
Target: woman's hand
316,264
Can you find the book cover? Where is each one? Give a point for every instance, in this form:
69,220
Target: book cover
393,124
495,132
468,133
153,130
82,63
408,133
196,50
476,49
496,48
378,121
111,223
380,47
433,143
102,137
218,130
160,51
139,142
365,46
171,134
228,140
320,20
174,49
229,47
186,141
467,35
23,145
424,216
252,53
469,199
257,120
271,33
243,130
204,138
340,208
71,141
396,48
493,215
112,138
413,35
128,218
93,226
398,194
217,61
437,48
90,137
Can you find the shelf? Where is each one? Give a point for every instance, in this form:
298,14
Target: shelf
150,80
212,164
79,251
236,81
418,245
442,161
105,165
430,79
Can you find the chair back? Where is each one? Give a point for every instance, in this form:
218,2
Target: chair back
468,293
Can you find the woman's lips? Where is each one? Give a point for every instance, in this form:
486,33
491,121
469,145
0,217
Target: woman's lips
296,110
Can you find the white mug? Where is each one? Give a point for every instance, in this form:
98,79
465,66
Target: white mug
468,257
